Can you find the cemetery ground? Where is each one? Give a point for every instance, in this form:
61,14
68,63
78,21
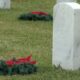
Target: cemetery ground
22,38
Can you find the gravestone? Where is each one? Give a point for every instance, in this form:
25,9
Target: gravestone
66,1
66,35
5,4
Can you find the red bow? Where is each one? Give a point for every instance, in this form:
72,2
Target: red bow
10,63
39,13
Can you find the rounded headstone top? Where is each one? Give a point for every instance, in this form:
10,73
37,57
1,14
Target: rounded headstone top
72,5
66,1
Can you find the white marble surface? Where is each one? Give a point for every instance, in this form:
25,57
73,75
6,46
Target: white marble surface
5,4
66,36
66,1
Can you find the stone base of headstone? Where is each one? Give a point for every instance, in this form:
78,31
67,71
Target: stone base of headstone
66,36
5,4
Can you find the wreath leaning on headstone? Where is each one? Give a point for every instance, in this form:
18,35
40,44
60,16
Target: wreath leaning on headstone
18,66
36,15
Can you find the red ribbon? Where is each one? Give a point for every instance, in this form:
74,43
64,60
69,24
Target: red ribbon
39,13
10,63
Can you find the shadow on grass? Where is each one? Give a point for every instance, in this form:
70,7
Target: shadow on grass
61,74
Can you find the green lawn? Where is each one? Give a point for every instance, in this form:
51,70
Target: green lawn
22,38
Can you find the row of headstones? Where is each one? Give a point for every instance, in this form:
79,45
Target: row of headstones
66,35
5,4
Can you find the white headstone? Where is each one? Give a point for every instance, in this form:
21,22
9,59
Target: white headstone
66,36
66,1
5,4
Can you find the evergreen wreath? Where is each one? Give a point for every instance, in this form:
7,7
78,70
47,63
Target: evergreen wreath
18,66
36,15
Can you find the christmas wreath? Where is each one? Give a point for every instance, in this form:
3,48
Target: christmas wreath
18,66
36,15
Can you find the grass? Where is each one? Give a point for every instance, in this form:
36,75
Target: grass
22,38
